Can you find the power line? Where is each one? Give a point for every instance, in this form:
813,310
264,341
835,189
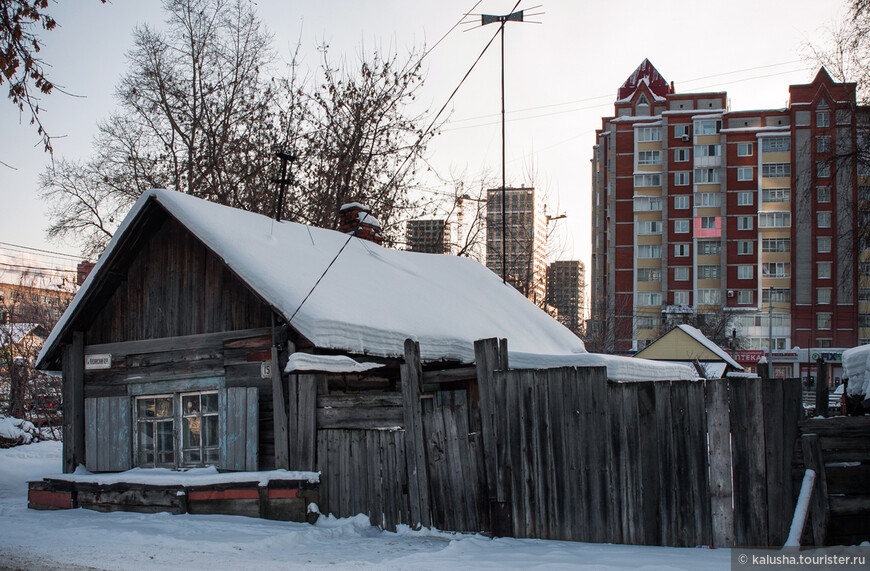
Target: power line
56,254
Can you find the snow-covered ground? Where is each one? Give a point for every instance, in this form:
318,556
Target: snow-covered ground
80,539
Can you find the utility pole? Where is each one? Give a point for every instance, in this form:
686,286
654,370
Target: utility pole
770,327
282,181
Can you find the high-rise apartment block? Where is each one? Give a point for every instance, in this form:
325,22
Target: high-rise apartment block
696,208
566,291
526,244
429,236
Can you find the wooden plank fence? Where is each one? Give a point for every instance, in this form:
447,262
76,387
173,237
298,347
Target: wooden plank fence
562,454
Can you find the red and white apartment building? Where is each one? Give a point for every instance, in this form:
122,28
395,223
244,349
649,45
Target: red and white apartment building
697,208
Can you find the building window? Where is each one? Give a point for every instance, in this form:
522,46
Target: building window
681,202
681,274
864,269
776,245
682,179
706,176
706,199
863,322
645,134
775,144
681,155
823,219
823,169
709,247
643,180
823,321
744,296
744,247
682,226
823,119
776,295
775,195
744,222
681,250
649,298
823,270
200,444
708,127
823,295
823,244
647,322
649,274
744,149
649,157
864,295
774,220
649,251
744,173
681,298
823,144
707,150
776,170
825,343
647,203
744,199
745,272
646,227
823,194
681,131
776,269
708,272
155,429
709,297
194,415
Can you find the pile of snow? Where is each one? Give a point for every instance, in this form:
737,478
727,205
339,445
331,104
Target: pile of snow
208,476
15,431
856,367
327,364
74,539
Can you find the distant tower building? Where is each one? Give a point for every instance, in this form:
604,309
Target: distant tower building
526,240
566,289
429,236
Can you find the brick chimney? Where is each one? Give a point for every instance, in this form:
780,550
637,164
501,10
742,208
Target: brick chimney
356,217
83,270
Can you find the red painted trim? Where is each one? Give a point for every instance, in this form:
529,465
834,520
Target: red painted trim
42,498
255,356
224,495
283,493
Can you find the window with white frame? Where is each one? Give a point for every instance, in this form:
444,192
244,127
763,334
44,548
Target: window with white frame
745,272
681,274
647,322
649,157
823,194
745,296
744,222
706,176
645,134
775,144
776,170
708,150
776,295
823,119
823,144
709,296
776,245
776,195
708,126
682,226
645,298
709,247
823,270
681,131
649,251
823,295
774,219
823,169
744,173
642,180
776,269
823,321
744,199
682,178
707,222
681,298
681,250
646,227
681,202
649,274
706,199
823,219
744,149
823,244
681,155
647,203
864,295
744,247
708,272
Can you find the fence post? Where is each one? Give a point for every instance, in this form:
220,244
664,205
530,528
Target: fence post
821,388
819,507
721,491
415,448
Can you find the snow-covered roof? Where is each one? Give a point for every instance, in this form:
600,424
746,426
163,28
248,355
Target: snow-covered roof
17,331
370,300
702,339
856,367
